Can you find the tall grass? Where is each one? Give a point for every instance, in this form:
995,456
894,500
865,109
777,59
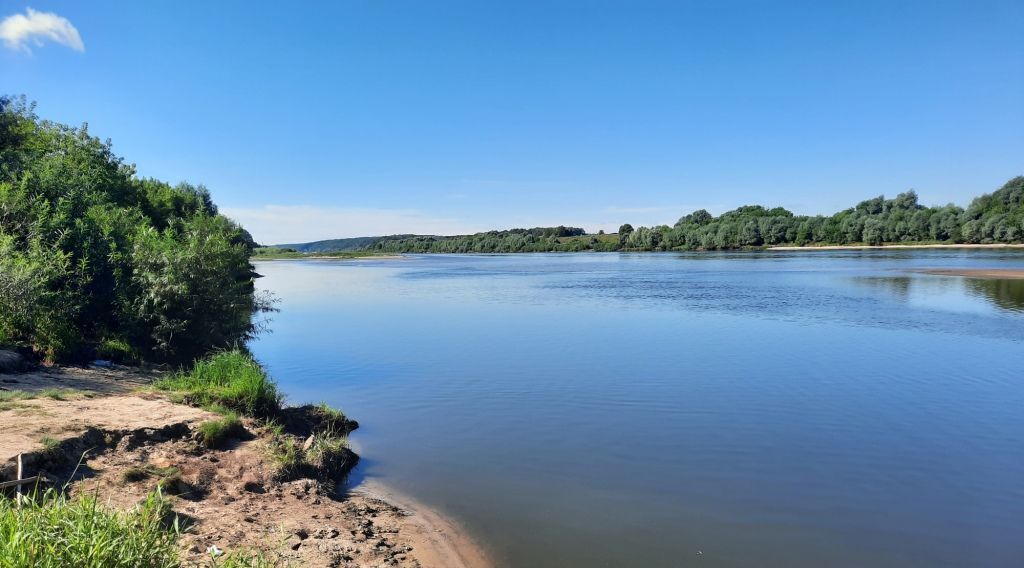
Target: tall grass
55,531
230,379
215,433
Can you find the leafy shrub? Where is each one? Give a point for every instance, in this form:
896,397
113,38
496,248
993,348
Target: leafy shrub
90,252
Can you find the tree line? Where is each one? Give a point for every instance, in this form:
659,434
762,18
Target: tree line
997,217
97,262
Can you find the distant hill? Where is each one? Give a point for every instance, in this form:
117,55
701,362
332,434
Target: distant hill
339,245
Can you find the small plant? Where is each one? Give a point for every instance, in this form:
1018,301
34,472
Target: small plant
332,418
214,433
244,559
138,473
134,474
230,379
172,483
55,394
118,351
287,454
328,453
9,399
13,395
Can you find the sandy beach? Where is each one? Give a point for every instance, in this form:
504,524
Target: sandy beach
878,247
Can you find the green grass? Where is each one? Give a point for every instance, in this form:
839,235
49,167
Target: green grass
118,351
286,453
230,379
54,393
325,458
328,451
13,395
55,531
64,394
214,433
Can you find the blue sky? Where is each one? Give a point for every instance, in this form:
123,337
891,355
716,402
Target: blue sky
350,118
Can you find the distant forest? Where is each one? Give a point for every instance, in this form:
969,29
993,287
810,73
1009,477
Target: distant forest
992,218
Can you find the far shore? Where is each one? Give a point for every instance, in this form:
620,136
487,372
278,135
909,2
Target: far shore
367,257
923,246
328,257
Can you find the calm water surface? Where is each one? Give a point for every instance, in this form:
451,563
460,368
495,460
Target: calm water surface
747,409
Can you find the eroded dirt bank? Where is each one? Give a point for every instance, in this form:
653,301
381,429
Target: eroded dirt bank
230,498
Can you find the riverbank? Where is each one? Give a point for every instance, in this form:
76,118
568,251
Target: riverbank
95,432
919,246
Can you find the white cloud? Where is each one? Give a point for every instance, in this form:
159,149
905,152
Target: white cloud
36,28
278,224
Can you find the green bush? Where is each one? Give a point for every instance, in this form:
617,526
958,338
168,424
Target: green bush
118,351
90,252
230,379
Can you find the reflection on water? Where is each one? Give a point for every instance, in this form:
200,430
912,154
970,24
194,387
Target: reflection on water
1006,294
775,410
950,292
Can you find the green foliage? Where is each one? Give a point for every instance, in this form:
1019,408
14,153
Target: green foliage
992,218
117,350
287,454
214,433
336,245
93,257
326,457
274,252
54,531
231,379
538,239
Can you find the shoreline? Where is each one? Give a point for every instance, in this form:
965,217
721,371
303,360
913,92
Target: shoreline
450,544
70,420
897,246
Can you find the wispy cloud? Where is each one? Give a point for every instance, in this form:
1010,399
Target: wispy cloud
276,224
18,31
